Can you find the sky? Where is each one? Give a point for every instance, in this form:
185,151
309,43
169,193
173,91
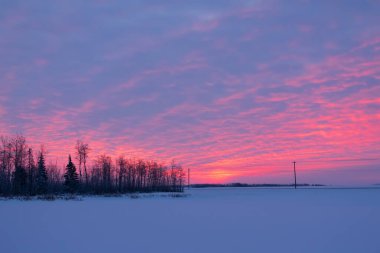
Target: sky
234,90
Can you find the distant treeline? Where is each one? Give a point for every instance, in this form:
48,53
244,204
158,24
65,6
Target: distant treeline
24,172
250,185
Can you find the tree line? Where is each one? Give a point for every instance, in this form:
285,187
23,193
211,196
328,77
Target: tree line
24,172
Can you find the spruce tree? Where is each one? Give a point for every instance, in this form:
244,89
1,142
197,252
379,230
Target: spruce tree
42,178
71,177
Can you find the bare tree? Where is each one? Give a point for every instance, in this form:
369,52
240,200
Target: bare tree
82,149
122,173
19,150
54,177
31,170
6,165
85,150
102,174
78,157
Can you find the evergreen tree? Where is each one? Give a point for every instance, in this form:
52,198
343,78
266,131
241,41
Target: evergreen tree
71,177
42,178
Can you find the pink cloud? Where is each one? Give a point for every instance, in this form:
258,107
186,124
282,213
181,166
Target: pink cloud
2,110
304,28
41,62
205,26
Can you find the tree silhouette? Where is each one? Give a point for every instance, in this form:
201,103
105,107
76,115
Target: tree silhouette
19,181
71,177
31,171
42,178
82,150
18,152
21,175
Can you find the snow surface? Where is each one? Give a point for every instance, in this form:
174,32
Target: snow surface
209,220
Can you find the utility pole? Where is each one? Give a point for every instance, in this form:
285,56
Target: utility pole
188,178
295,175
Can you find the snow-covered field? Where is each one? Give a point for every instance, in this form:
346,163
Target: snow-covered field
209,220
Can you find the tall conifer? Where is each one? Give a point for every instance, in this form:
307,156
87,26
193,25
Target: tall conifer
42,178
71,177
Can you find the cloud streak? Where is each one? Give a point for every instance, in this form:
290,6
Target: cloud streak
234,90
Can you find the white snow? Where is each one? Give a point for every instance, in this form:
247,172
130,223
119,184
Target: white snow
209,220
